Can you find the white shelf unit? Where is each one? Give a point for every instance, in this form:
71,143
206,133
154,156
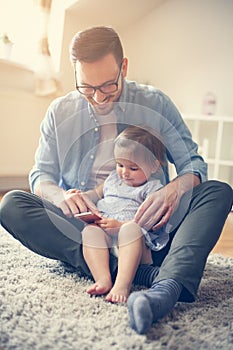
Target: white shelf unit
214,135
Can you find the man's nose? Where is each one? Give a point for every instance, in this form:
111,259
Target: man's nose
99,97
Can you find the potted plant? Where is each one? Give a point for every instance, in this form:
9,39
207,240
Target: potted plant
7,45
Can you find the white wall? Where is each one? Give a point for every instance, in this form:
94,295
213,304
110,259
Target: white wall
184,47
21,113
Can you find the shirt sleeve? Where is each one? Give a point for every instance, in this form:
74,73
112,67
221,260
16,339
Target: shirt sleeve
182,151
46,166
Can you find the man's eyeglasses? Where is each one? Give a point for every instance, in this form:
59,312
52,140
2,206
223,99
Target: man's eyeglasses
105,88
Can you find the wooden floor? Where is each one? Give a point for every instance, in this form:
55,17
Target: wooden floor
225,243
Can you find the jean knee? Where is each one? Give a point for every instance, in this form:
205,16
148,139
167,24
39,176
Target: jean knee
8,205
224,191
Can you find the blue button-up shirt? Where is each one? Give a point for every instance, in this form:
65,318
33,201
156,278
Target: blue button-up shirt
70,135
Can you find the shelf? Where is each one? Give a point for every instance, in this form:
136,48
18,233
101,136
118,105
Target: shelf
213,135
208,118
220,162
226,162
15,64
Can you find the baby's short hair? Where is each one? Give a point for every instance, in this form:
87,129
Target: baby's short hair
142,140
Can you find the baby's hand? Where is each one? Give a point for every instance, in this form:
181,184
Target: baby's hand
111,226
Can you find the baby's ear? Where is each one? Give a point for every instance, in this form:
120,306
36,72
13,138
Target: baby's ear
155,166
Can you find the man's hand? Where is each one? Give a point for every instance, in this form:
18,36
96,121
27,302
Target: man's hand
75,202
156,210
70,202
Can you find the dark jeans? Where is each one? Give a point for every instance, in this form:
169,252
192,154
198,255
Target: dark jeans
42,227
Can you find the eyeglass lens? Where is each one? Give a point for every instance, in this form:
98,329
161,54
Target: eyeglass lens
105,88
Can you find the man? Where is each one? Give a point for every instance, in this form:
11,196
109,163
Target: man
75,154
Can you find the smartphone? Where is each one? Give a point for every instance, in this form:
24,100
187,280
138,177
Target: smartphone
87,216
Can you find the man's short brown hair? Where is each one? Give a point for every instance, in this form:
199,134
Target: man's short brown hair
94,43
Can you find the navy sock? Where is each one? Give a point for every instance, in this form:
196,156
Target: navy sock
146,307
145,275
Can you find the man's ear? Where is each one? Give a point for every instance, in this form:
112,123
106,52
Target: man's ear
124,67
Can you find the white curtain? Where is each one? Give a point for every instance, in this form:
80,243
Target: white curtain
46,82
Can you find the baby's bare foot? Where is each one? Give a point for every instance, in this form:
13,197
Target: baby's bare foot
100,287
118,295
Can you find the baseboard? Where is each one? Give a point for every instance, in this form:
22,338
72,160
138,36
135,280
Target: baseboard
8,183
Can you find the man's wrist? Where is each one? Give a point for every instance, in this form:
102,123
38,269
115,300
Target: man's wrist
50,191
184,183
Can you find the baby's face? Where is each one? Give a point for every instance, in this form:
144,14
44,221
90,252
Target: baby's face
133,166
131,173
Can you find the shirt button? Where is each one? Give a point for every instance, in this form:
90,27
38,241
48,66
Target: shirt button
83,183
91,156
96,129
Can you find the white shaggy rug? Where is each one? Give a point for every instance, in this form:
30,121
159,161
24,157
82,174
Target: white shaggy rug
44,306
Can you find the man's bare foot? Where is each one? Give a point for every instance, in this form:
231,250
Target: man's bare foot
100,287
118,295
